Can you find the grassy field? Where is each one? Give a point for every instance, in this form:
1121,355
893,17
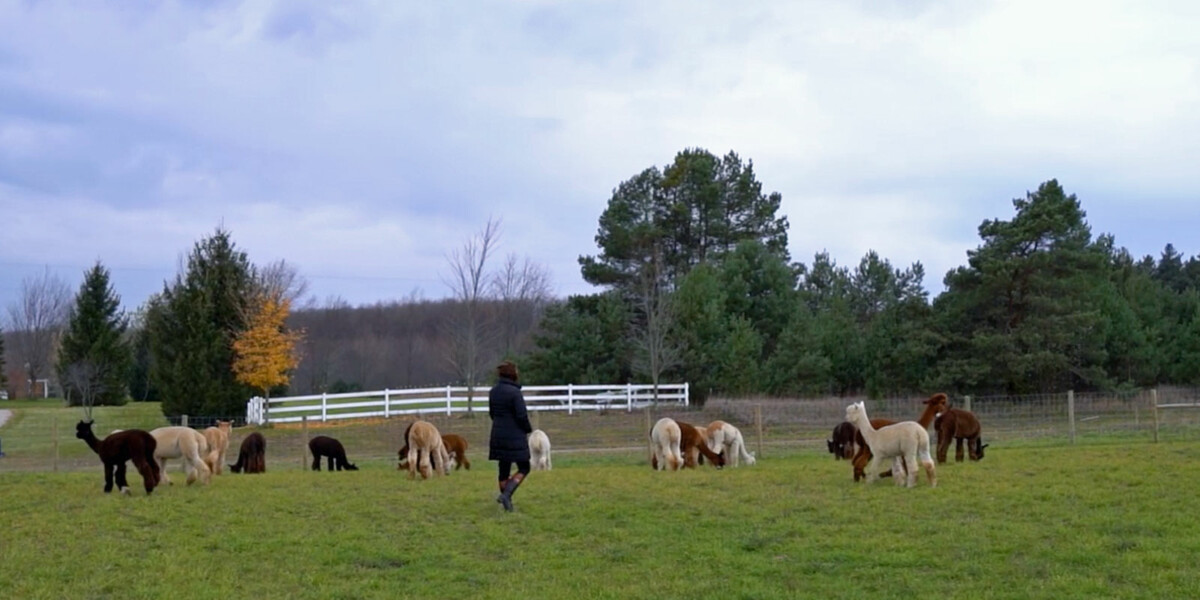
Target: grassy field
1113,520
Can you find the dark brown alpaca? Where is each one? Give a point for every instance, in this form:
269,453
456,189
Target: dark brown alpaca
116,449
692,444
959,425
842,444
933,405
252,457
331,448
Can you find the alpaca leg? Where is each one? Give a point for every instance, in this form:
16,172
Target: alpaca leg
108,477
871,469
122,483
973,448
331,463
162,470
958,450
911,476
413,456
930,471
149,477
425,465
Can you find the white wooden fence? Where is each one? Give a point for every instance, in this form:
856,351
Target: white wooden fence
451,399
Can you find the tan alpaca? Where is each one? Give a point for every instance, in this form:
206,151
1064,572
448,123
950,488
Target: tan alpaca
723,437
539,450
664,442
218,444
425,442
185,443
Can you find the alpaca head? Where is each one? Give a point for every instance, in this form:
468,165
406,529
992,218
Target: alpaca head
833,448
226,426
855,412
939,402
83,430
979,446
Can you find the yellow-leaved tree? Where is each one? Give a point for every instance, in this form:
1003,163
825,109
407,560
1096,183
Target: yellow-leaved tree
265,352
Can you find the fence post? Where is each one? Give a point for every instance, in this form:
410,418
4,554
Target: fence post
183,420
387,403
967,403
1071,412
758,428
570,398
303,442
447,401
324,402
687,398
649,430
629,398
1154,409
55,434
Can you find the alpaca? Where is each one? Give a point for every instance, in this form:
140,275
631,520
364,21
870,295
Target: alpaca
116,449
664,442
726,439
959,425
907,439
253,455
185,443
842,445
933,405
539,450
331,448
456,452
425,446
456,448
694,444
218,445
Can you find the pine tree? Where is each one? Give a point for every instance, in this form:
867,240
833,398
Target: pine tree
192,325
94,357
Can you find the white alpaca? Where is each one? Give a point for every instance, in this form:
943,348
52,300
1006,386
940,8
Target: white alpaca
539,450
185,443
723,437
907,440
664,441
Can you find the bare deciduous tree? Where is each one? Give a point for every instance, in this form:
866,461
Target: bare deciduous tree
87,378
281,280
655,351
522,288
37,319
468,283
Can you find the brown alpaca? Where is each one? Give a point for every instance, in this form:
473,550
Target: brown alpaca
426,451
253,455
456,448
218,445
116,449
959,425
693,444
933,405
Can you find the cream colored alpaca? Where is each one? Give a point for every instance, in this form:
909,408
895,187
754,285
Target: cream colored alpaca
424,442
723,437
664,442
539,450
218,443
185,443
907,440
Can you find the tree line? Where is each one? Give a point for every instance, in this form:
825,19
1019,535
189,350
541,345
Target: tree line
695,284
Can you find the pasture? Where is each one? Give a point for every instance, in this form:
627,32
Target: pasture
1109,518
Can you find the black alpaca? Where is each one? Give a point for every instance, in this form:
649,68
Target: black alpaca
327,446
253,455
116,449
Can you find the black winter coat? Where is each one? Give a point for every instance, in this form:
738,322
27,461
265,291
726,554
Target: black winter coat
510,422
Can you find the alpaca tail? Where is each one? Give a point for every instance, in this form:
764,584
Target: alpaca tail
746,457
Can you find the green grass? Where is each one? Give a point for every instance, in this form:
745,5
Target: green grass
1112,520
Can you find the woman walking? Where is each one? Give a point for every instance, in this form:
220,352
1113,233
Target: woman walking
510,426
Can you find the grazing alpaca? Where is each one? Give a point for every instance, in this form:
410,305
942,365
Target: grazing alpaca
664,443
185,443
114,450
456,449
933,405
842,445
539,450
218,445
426,451
907,440
329,447
726,439
694,444
253,456
959,425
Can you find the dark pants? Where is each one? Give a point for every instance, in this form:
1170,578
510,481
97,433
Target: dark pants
506,468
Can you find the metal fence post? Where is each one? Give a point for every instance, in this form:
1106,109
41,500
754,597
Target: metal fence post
1071,412
304,441
1154,409
758,427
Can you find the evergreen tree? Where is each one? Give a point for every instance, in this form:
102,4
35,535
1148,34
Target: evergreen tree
700,328
583,340
94,357
738,369
798,367
192,325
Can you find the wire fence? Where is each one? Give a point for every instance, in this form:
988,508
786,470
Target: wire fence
44,440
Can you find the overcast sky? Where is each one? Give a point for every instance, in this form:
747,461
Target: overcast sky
364,141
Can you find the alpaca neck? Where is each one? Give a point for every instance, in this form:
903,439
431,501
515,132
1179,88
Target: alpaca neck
92,442
864,427
928,415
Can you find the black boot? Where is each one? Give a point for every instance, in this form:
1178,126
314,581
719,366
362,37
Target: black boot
510,487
